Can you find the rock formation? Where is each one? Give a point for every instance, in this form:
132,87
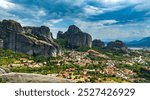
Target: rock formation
42,32
32,78
2,71
1,43
75,38
59,34
98,43
118,46
29,40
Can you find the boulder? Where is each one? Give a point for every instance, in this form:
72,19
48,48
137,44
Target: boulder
2,71
98,43
32,78
75,38
28,40
118,46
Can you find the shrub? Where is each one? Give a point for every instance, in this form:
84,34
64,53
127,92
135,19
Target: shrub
83,49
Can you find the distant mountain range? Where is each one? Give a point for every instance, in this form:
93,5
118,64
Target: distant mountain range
145,42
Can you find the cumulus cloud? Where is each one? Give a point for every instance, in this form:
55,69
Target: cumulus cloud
51,22
104,19
126,32
5,4
41,13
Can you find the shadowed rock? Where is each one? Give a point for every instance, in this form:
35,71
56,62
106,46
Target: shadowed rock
98,43
75,38
29,40
118,46
1,43
42,32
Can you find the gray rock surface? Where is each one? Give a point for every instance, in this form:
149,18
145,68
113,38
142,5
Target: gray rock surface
98,43
29,40
75,37
1,43
42,32
2,71
59,34
32,78
118,46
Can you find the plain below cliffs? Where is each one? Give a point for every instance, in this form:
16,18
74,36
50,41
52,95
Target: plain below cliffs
75,38
28,40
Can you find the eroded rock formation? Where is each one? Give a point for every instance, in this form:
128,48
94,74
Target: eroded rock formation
29,40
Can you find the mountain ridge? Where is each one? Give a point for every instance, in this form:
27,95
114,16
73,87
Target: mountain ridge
145,42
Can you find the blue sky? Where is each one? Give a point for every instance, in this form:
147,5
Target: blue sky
103,19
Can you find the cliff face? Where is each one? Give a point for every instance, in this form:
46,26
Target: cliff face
42,32
75,37
29,40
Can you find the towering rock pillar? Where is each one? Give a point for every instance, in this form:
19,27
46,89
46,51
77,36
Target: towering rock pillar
75,38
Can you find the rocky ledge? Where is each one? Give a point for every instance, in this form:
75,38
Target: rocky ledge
32,78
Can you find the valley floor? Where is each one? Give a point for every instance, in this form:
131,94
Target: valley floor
96,66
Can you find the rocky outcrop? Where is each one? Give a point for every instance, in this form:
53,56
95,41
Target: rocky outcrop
75,38
118,46
42,32
59,34
29,40
1,43
2,71
32,78
98,43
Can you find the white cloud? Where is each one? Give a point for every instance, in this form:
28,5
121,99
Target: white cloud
51,22
73,2
41,13
108,6
54,21
99,30
118,2
88,24
5,4
91,10
144,5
